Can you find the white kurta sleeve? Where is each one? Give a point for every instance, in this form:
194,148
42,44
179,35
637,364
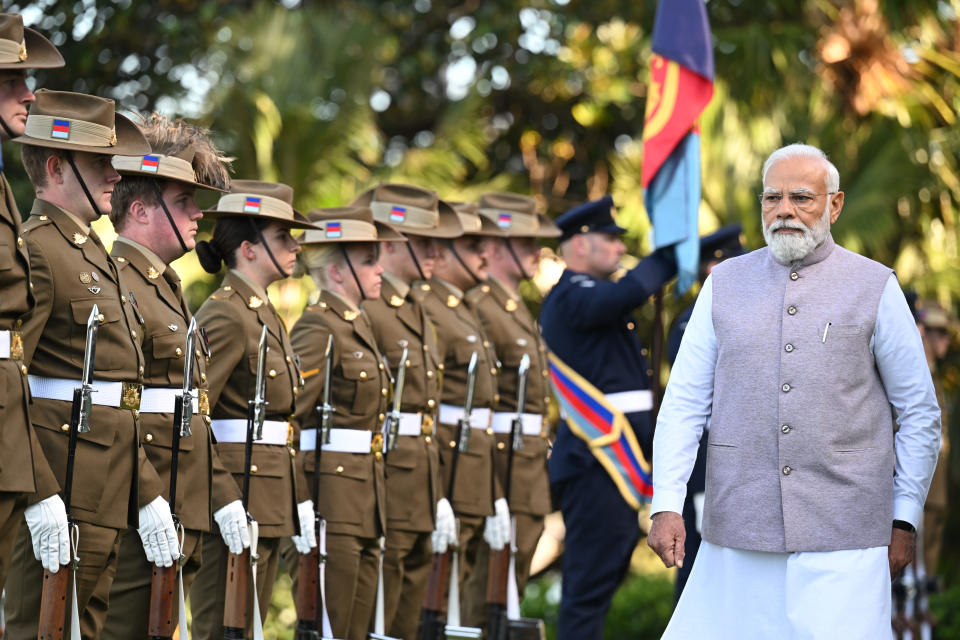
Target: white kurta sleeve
687,405
902,364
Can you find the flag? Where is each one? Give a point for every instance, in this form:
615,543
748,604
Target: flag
150,164
398,214
606,431
503,220
333,229
251,204
681,86
60,129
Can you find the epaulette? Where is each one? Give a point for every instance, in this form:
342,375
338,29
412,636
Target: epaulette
35,221
583,280
319,306
222,293
477,294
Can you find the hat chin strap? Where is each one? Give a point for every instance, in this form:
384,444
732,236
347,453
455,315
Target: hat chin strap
83,185
266,246
7,129
163,205
513,254
463,264
416,262
346,257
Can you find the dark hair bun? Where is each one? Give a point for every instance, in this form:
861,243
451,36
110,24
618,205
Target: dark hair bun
210,257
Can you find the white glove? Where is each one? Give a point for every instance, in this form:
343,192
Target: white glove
232,520
308,535
159,536
47,521
446,532
497,530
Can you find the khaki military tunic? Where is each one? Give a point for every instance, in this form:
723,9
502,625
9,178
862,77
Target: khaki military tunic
352,492
233,318
71,271
413,468
203,484
510,326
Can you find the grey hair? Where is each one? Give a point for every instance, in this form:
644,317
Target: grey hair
798,150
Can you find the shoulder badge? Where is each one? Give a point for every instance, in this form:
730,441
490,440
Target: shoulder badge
425,287
255,302
396,301
587,284
452,301
349,315
121,259
79,239
228,288
172,327
44,218
510,305
152,273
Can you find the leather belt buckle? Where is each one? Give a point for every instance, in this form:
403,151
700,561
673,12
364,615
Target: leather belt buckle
376,443
16,345
130,395
426,425
203,402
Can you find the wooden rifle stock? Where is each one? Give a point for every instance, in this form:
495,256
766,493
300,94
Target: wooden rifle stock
163,595
432,620
53,605
497,569
308,596
235,602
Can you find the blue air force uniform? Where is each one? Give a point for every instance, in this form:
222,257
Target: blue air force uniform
587,323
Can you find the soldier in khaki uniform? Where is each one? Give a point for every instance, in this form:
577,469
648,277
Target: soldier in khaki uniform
25,469
416,508
478,497
514,332
252,236
156,217
342,260
67,146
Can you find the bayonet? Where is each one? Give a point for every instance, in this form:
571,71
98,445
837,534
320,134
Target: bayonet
326,409
463,427
186,399
86,381
516,428
260,392
391,429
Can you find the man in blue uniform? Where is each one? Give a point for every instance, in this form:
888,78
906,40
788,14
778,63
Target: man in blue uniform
587,323
714,249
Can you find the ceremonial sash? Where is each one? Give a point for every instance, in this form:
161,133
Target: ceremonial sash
605,429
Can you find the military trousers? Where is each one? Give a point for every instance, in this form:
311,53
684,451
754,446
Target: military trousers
529,528
406,570
97,550
602,532
208,592
129,613
12,506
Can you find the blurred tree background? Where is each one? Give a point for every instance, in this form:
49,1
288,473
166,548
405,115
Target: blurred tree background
547,97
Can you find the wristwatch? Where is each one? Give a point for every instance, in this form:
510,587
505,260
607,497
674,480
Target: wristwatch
904,526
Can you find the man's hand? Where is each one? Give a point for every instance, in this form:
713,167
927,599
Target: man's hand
667,536
903,547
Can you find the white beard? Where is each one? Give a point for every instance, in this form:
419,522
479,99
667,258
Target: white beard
790,247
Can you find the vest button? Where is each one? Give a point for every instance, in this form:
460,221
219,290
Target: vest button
794,275
785,428
788,348
785,387
787,470
792,310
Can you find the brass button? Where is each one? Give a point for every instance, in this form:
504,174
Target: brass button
381,365
207,419
428,439
485,288
425,348
149,437
123,298
140,370
133,334
430,373
383,392
788,348
501,446
289,359
179,352
496,398
296,390
493,371
65,427
489,431
785,388
785,428
378,455
440,367
253,468
794,275
363,375
339,468
19,241
787,470
650,372
23,369
293,452
545,373
272,373
408,363
100,317
197,352
792,310
453,444
203,377
486,345
431,403
631,326
546,400
381,417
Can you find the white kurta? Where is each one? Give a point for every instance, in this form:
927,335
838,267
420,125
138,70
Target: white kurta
839,594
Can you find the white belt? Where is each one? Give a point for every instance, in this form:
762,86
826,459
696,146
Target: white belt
341,440
532,423
5,337
451,414
410,424
631,401
158,400
235,430
108,394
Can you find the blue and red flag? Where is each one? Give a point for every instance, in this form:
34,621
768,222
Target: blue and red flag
251,204
150,164
681,86
398,213
504,220
60,129
606,431
333,230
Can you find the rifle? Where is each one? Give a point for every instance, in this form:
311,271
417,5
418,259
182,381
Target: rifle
53,598
239,566
391,425
309,600
163,582
432,623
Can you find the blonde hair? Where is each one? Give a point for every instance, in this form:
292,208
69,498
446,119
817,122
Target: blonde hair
315,259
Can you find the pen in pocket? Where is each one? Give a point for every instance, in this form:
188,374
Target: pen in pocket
825,329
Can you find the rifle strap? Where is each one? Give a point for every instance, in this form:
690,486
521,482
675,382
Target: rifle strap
322,547
254,530
379,625
513,593
453,595
72,568
182,602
